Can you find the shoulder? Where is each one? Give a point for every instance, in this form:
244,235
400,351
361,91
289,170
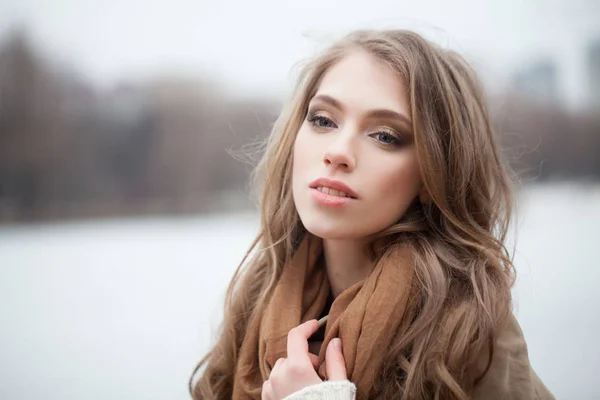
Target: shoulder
328,390
510,375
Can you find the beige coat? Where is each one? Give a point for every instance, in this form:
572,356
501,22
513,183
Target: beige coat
510,376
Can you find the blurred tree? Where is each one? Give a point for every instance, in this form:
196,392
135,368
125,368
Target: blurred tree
70,150
546,142
30,124
196,125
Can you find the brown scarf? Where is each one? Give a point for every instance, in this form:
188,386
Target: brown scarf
365,317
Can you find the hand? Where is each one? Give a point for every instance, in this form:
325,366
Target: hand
299,370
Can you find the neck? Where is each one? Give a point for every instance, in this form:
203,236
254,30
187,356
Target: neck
346,262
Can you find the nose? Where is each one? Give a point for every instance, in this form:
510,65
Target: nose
339,153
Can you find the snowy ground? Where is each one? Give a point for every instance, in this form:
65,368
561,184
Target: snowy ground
123,309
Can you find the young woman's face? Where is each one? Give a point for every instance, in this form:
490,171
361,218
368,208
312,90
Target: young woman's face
355,169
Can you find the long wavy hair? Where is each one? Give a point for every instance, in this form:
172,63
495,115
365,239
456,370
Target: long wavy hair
463,269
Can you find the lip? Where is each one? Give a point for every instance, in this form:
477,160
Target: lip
335,185
329,199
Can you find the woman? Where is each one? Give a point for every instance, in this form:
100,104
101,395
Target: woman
385,207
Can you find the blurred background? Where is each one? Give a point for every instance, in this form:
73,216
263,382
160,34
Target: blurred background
127,134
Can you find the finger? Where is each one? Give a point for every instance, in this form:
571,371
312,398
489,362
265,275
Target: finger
314,360
267,391
278,363
335,365
297,342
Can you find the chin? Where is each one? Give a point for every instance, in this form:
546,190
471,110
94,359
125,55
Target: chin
330,230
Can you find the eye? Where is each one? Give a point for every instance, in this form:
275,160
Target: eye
320,121
386,138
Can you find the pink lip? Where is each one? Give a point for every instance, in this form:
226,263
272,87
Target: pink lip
335,185
329,199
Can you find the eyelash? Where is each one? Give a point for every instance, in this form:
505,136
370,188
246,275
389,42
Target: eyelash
315,119
394,137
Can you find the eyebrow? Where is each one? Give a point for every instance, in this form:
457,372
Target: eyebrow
379,113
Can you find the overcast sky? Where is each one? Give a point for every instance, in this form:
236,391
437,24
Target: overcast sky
254,44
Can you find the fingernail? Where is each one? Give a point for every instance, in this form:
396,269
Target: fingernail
337,343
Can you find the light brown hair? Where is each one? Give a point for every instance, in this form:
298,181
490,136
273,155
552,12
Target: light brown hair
463,270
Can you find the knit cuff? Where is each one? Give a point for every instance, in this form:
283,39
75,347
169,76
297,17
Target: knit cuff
328,390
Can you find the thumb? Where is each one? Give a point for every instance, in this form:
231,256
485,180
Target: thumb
335,364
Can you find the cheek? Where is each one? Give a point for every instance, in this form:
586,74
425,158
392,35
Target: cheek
300,160
301,152
397,188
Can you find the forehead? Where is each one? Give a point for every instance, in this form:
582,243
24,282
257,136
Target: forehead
361,81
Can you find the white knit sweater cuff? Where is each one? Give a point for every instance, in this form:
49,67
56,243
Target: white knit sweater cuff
328,390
